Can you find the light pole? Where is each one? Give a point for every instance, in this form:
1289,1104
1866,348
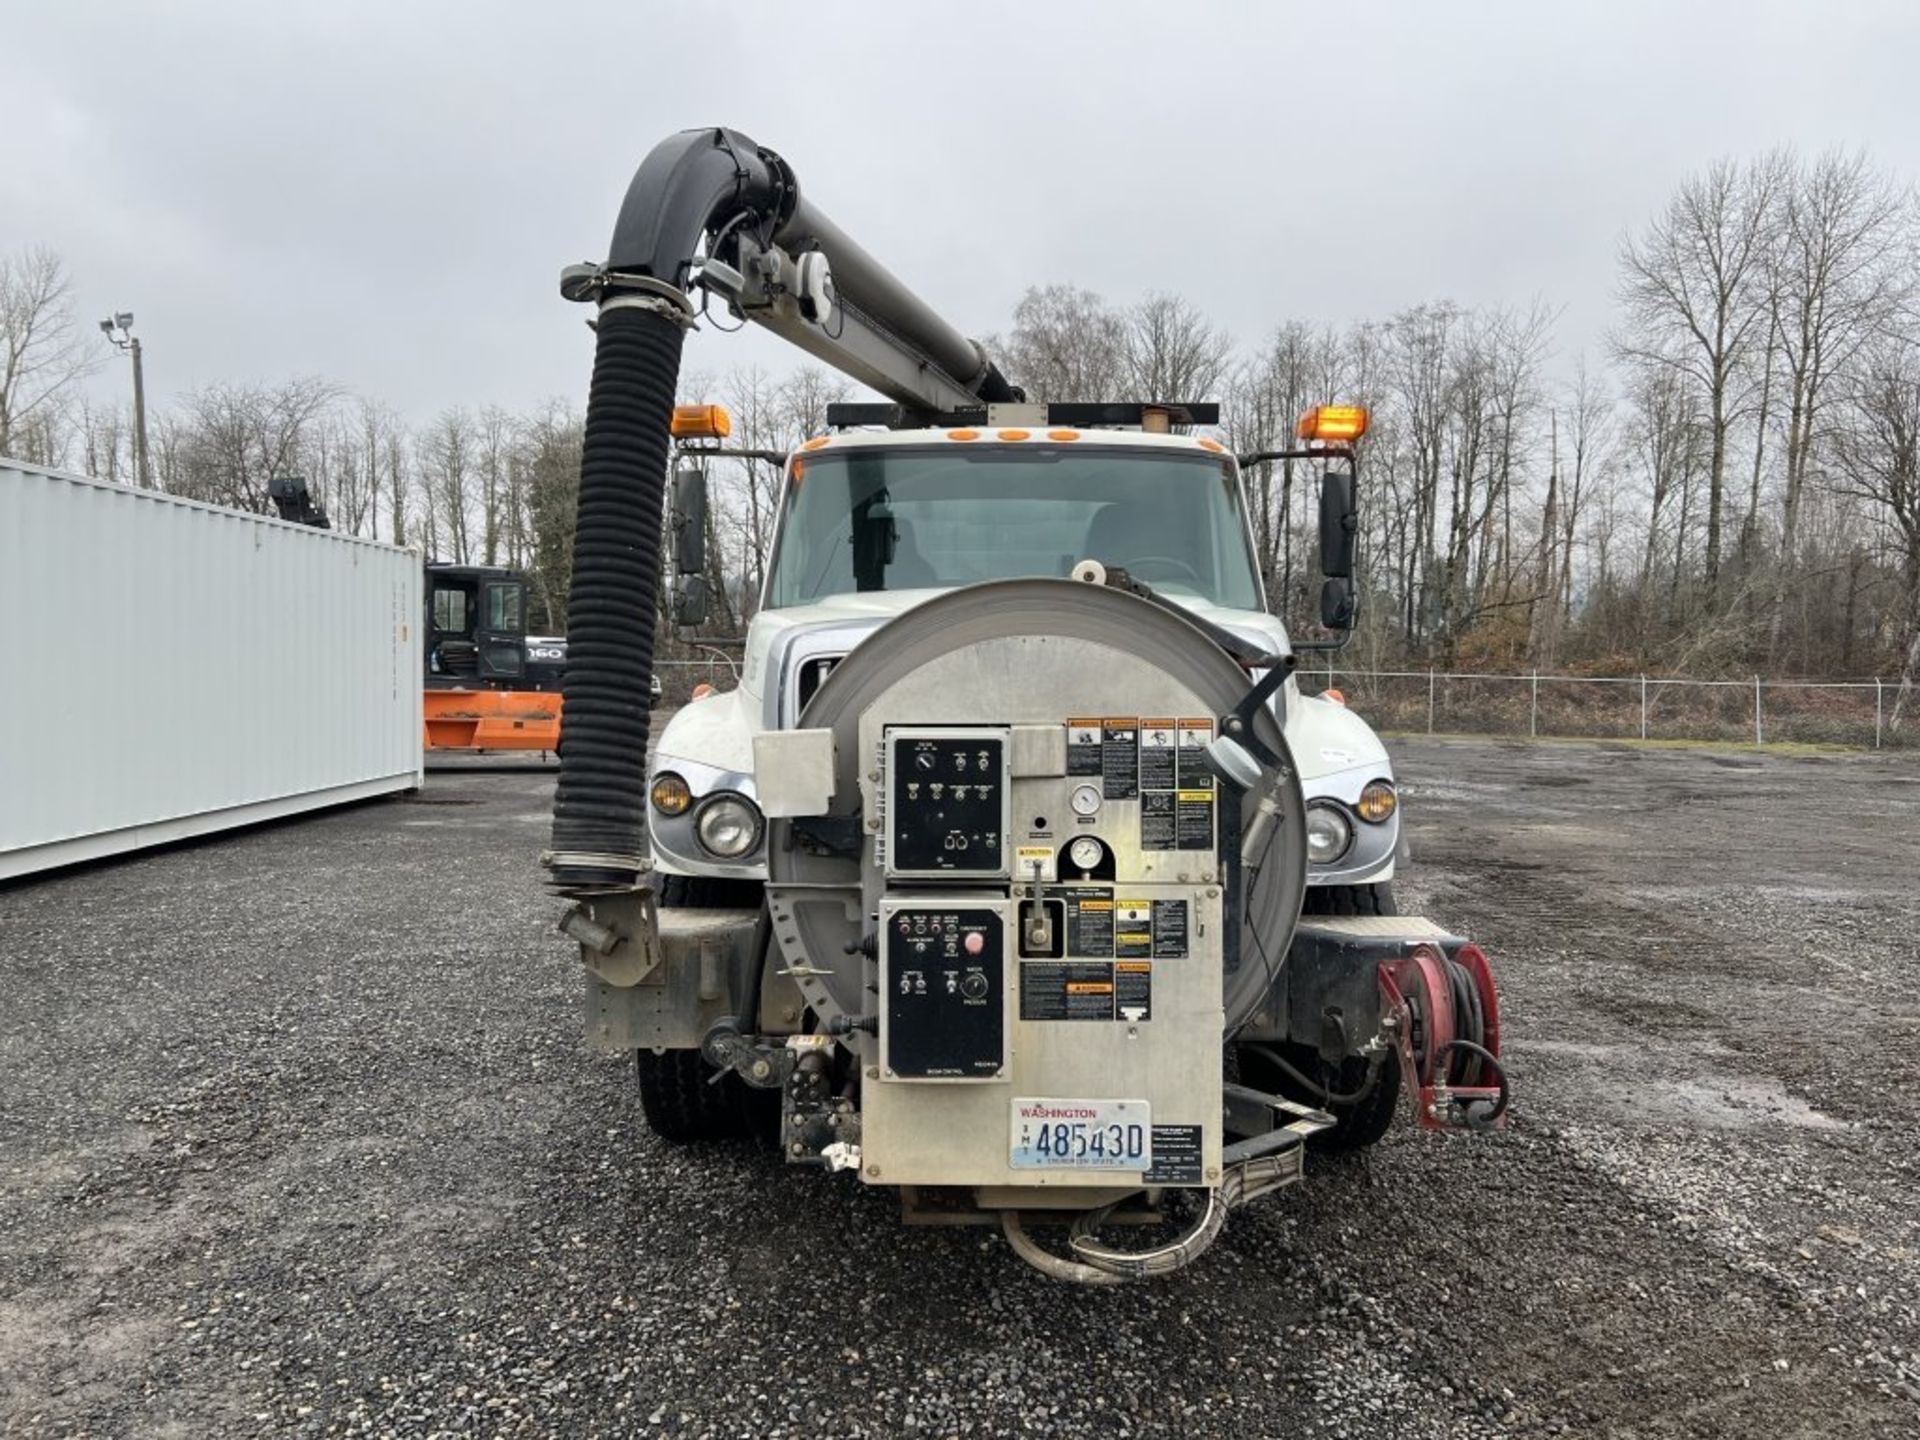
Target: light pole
118,329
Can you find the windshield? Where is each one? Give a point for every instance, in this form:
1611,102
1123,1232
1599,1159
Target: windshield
925,517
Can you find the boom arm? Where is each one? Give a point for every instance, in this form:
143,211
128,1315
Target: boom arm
711,209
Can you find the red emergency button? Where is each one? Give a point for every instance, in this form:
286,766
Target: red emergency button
976,942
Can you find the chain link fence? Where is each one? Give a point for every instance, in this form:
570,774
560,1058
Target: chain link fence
1625,707
1606,707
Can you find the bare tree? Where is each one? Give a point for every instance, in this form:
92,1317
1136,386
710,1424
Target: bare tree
236,438
1835,282
1066,345
494,437
1172,352
1877,448
1693,287
447,477
42,351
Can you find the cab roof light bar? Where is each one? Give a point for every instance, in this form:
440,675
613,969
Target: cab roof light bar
1072,414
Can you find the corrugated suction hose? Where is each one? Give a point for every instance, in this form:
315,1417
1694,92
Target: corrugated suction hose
599,807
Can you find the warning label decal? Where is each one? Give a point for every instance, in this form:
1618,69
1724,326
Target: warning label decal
1133,929
1159,769
1133,990
1083,747
1051,990
1089,920
1120,758
1195,736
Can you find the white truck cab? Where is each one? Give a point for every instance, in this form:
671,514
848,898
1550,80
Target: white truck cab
874,523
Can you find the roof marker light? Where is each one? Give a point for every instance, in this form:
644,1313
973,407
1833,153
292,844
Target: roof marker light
818,442
701,422
1014,434
1063,434
963,434
1336,423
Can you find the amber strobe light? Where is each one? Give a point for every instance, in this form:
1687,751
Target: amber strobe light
701,422
1333,423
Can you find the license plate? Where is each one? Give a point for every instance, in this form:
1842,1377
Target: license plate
1081,1135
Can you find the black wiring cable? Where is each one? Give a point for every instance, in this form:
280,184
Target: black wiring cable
1327,1096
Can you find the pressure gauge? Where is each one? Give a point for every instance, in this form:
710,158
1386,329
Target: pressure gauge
1086,800
1085,853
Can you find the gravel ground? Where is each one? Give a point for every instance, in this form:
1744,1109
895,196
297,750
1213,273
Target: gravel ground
299,1139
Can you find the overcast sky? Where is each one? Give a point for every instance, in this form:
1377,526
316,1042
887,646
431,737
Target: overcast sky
384,193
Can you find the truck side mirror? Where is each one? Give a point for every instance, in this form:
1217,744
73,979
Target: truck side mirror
689,601
1338,522
1337,603
690,526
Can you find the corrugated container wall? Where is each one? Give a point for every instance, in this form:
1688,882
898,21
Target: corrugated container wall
169,668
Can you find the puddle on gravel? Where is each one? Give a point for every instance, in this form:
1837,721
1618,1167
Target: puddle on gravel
1719,1102
1729,1102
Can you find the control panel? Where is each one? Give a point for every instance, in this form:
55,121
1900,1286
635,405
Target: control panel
943,982
947,803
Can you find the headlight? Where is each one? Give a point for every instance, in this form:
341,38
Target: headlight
670,794
727,825
1328,834
1377,802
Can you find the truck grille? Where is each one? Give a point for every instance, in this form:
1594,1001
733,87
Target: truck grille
813,671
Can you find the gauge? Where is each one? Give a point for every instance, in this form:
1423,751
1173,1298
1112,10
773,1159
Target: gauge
1086,800
1086,852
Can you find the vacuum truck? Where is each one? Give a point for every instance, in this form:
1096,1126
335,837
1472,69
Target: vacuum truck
1017,873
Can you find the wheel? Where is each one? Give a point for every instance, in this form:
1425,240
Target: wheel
678,1094
1375,899
1362,1122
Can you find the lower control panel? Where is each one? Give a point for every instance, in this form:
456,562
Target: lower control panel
943,983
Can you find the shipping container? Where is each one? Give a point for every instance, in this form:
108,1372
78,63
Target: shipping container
171,668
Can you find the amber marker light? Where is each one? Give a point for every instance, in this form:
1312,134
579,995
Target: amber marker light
1343,423
701,422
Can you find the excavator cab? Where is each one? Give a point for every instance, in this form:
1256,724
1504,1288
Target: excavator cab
476,626
481,692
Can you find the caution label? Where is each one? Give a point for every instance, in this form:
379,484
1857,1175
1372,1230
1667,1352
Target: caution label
1056,990
1034,864
1133,990
1133,929
1193,819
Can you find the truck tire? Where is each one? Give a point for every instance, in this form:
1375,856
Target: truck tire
1375,899
677,1090
1367,1120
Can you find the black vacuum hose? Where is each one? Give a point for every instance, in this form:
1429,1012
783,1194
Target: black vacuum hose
600,804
